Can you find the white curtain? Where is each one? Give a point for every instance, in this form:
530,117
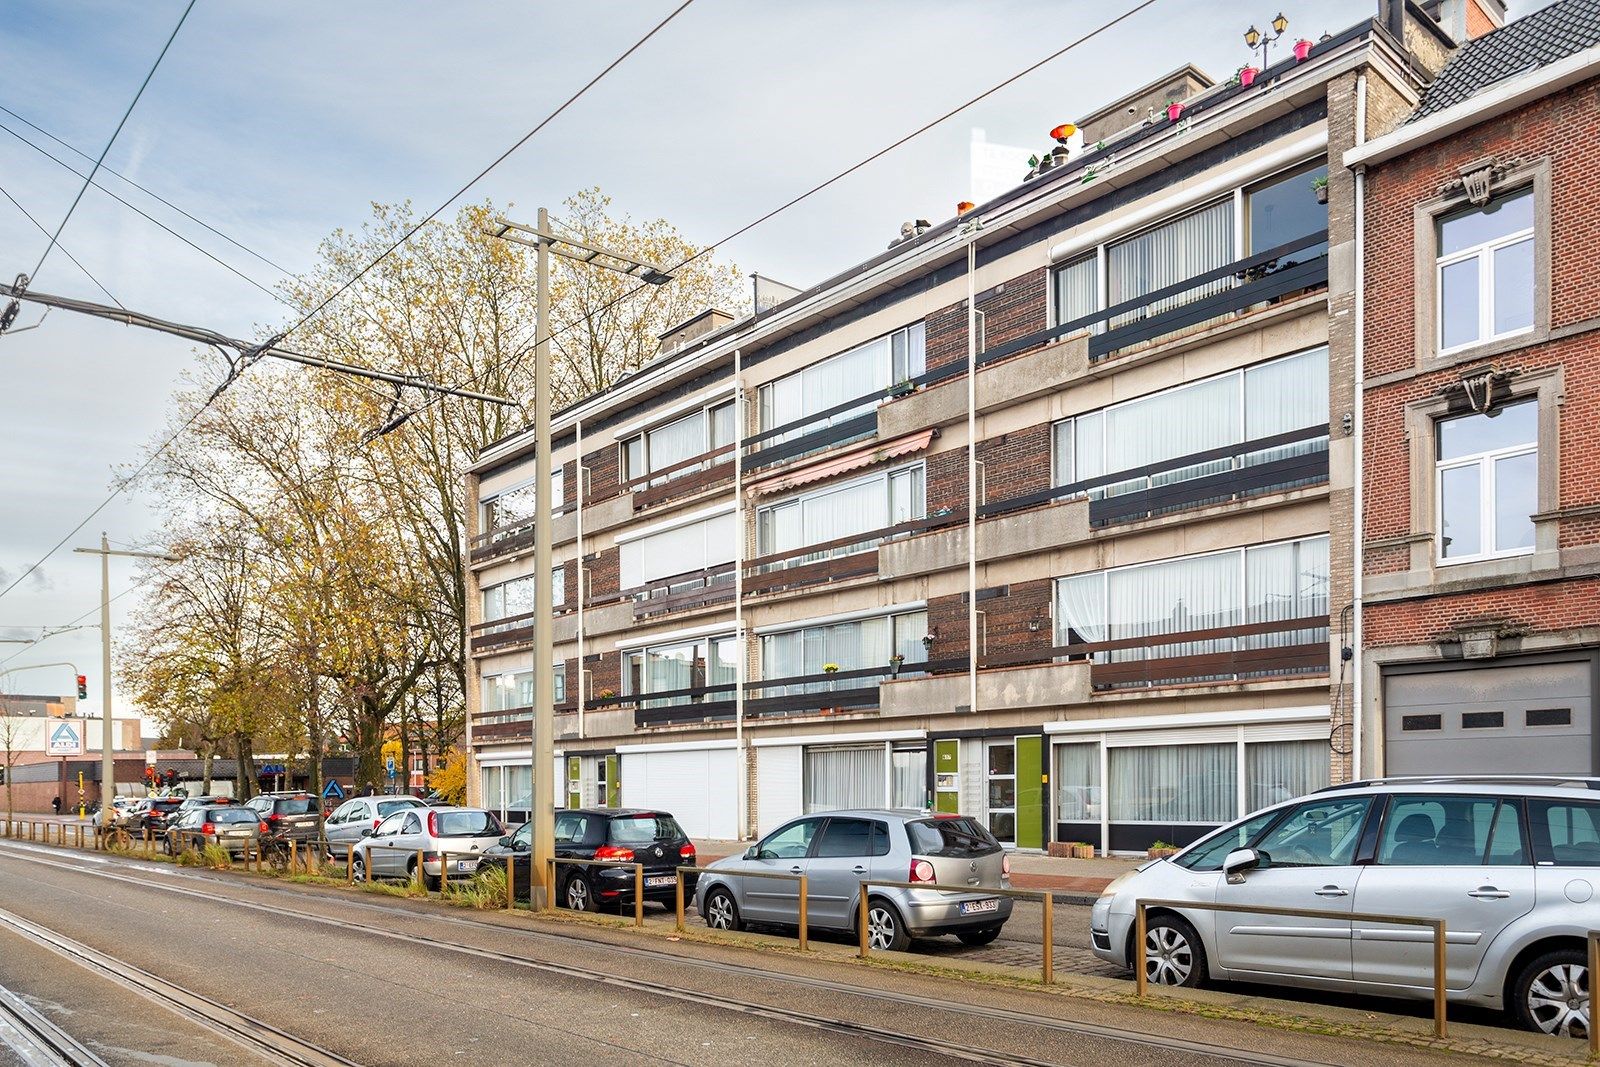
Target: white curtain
1175,423
677,441
1168,254
1081,608
1286,581
843,378
909,629
780,405
1195,593
1077,289
1286,394
905,495
850,509
909,778
490,780
1078,782
1282,770
844,778
519,787
1174,784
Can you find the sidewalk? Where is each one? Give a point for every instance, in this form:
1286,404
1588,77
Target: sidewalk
1068,879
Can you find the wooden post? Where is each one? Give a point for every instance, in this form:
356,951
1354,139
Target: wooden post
1438,979
861,920
638,894
444,875
550,884
804,903
422,872
511,882
1049,937
350,866
1139,920
678,900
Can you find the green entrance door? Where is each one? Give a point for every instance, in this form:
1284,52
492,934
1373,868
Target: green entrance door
947,776
1030,792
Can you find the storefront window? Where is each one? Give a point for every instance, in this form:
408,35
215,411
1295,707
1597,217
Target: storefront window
1174,784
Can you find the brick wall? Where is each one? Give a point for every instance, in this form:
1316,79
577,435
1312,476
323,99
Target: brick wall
605,672
605,470
1014,464
1006,619
569,484
945,481
1543,608
605,575
1012,309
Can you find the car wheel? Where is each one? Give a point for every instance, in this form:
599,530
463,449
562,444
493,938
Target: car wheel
1173,954
358,868
984,936
1552,993
885,931
578,894
721,911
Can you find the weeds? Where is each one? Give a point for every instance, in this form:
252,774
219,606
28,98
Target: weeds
190,857
486,892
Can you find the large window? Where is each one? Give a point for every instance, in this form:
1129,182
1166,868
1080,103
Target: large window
844,777
1276,771
1244,405
1263,583
1283,209
510,600
1172,784
695,434
1485,271
516,506
1487,475
856,644
858,506
860,372
706,661
513,691
1167,254
693,546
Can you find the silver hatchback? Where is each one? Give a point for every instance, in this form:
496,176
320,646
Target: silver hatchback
838,850
1510,863
447,842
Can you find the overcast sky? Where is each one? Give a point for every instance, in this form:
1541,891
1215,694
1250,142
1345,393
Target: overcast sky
279,122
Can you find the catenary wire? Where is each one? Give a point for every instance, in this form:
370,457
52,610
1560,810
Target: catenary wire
56,237
40,227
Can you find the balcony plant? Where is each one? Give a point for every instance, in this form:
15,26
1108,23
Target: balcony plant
830,668
895,662
1302,49
1160,850
1247,75
1319,186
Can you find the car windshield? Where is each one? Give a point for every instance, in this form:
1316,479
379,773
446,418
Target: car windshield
230,815
166,805
642,829
389,807
468,824
958,836
295,806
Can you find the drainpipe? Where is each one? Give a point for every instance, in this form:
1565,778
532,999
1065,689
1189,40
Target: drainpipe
742,793
1357,689
972,473
578,470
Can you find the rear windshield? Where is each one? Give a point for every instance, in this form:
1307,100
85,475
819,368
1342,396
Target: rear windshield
950,837
295,806
641,829
468,824
231,815
165,805
389,807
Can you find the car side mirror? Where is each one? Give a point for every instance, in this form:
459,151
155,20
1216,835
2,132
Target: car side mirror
1240,861
367,831
505,842
750,853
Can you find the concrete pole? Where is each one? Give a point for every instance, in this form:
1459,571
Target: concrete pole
108,763
543,800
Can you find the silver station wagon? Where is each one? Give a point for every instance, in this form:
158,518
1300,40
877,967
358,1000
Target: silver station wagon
838,850
1510,863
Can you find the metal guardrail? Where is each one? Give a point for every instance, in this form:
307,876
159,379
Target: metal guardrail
803,900
1048,968
638,882
1141,917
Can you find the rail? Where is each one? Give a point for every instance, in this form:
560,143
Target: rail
1141,918
638,882
1048,964
803,901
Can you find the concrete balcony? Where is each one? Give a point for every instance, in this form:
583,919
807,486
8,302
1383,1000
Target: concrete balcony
1042,530
1044,371
1045,686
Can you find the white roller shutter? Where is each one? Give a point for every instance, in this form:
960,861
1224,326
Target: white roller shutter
778,786
698,787
691,547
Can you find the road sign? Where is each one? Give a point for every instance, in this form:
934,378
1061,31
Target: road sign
333,790
389,766
65,740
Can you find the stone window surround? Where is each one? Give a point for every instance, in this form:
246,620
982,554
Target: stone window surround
1545,385
1425,257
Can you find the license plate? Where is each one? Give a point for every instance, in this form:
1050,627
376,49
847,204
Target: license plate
466,865
979,907
662,879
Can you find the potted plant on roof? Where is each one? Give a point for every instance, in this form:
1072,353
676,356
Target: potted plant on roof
1302,48
1174,110
1319,186
1247,75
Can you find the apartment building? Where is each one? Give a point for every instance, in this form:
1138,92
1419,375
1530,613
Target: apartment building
1045,514
1481,571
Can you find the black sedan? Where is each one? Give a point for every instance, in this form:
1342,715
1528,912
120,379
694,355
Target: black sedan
626,836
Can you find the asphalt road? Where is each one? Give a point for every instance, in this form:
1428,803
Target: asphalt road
384,981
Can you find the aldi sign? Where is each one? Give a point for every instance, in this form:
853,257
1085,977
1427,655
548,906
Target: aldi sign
66,739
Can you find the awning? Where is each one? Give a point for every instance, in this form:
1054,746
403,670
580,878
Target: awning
855,459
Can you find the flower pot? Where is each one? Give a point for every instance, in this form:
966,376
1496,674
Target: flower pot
1083,852
1322,194
1301,50
1247,75
1173,111
1160,853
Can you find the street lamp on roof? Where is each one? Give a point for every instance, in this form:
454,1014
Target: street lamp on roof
1253,38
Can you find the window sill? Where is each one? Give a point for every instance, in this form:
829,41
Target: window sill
1454,357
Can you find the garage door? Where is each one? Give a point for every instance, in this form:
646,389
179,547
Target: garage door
1505,718
698,787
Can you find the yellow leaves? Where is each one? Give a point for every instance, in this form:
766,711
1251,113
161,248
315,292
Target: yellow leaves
450,781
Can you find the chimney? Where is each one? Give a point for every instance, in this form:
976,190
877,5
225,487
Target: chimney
1392,14
1466,20
691,329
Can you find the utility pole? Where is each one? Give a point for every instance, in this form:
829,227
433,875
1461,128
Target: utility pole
108,764
542,804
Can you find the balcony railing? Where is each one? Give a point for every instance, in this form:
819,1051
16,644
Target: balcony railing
851,556
679,479
683,592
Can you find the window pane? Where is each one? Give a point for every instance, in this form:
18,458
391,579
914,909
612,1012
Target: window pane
1171,253
1287,208
910,786
1459,511
1505,844
1472,435
1193,418
1436,831
844,778
1078,783
1088,446
1516,498
1282,770
1077,293
1080,609
843,838
1513,287
1174,784
1501,217
1319,833
1061,453
722,425
1286,394
677,441
1458,303
1565,833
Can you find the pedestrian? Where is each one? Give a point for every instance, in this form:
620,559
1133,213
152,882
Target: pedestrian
55,805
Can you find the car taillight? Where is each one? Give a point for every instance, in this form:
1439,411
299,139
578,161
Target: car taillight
265,829
921,871
208,828
274,817
1005,866
433,823
687,853
613,852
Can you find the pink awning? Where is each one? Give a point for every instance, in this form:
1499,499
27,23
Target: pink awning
855,459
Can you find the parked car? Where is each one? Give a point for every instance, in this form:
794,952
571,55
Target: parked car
343,828
453,836
651,838
233,826
838,850
1508,862
156,813
191,803
287,816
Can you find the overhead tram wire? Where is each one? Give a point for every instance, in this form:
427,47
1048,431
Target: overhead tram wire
40,227
123,484
56,237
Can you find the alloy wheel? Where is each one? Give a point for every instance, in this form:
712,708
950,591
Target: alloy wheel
881,928
578,894
1558,1000
1169,958
358,869
719,912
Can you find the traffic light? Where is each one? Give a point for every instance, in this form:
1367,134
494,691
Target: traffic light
83,686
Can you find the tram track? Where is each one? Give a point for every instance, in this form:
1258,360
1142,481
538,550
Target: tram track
881,998
36,1040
